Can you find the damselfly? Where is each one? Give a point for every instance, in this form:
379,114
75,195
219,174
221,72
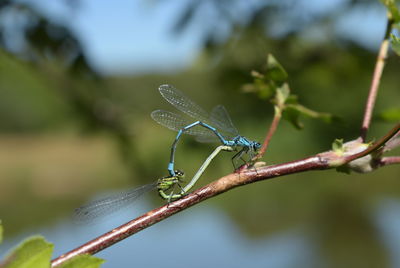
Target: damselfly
118,201
165,187
216,126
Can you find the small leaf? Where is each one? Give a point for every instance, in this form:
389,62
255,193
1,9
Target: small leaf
293,116
293,112
395,41
34,252
282,94
393,10
391,114
326,117
256,74
275,71
263,90
337,146
83,261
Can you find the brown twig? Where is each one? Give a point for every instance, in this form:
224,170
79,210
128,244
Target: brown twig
270,133
377,145
376,78
393,142
389,160
318,162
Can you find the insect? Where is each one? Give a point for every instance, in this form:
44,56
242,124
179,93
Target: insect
118,201
216,126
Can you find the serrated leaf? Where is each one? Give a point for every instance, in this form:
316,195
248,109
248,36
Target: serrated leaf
393,10
337,146
395,41
391,114
83,261
275,71
34,252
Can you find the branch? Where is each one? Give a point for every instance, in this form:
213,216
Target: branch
375,146
320,161
376,78
217,187
389,160
271,131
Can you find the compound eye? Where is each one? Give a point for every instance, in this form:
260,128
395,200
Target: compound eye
179,172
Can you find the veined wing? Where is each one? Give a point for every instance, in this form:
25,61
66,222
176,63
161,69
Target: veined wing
183,103
176,122
110,204
220,119
209,139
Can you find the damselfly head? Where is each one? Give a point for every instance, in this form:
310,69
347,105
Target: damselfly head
256,146
179,173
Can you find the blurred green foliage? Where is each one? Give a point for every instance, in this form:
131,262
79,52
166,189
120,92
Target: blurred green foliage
67,132
35,252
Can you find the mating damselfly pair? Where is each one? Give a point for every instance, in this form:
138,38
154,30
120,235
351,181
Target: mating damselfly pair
214,127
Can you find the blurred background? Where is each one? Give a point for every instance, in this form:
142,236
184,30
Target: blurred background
79,79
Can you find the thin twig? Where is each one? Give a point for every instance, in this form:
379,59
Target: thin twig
318,162
376,145
389,160
392,143
376,78
270,133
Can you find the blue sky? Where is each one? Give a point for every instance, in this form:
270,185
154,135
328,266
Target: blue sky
122,36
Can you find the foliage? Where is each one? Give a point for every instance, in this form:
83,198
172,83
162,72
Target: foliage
390,114
395,41
35,252
337,146
273,85
393,10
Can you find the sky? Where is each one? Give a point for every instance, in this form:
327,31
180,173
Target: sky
122,36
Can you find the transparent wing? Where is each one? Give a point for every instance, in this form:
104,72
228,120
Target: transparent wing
176,122
110,204
210,139
221,120
183,103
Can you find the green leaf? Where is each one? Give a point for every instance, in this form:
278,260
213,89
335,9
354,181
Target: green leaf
337,146
391,114
275,71
293,116
395,41
83,261
293,112
34,252
266,84
263,87
282,94
394,12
